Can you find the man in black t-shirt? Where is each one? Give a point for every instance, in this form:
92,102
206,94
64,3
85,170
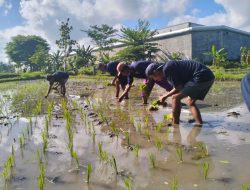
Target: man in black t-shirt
59,78
189,79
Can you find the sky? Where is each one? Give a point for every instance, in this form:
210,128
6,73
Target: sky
43,17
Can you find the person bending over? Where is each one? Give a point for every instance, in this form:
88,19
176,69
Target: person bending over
118,81
57,79
245,89
189,79
137,69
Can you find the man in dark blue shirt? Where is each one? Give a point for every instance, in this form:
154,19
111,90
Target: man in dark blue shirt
118,81
59,78
137,69
245,89
189,79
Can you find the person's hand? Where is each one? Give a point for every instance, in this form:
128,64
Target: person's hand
162,99
120,99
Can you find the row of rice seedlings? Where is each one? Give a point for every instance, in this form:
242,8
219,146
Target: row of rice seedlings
179,152
38,108
45,140
128,183
174,185
136,150
42,171
6,172
158,144
152,160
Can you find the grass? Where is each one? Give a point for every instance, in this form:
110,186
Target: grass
152,160
11,77
114,164
128,183
174,185
88,172
136,150
179,152
205,168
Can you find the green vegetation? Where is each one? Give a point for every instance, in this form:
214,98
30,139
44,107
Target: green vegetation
179,152
174,184
114,164
6,172
42,170
245,187
205,167
128,183
136,150
158,144
88,172
152,160
127,137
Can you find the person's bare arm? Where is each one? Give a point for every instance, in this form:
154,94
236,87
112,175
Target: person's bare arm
50,87
114,79
127,89
172,92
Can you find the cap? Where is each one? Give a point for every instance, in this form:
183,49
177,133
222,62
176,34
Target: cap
152,68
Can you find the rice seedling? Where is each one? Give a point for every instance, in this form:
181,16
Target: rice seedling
88,171
159,126
128,183
47,125
41,177
152,160
168,117
75,156
147,134
138,126
6,172
114,164
93,136
168,132
127,138
179,152
174,185
205,167
100,150
146,120
38,108
245,187
136,150
21,142
50,109
202,151
45,141
75,105
30,125
114,129
158,144
155,102
105,156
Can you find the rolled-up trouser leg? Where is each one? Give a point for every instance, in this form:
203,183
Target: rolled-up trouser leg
146,91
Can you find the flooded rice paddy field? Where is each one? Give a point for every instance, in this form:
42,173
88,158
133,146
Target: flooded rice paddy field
57,142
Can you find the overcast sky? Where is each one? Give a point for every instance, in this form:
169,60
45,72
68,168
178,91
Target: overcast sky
42,17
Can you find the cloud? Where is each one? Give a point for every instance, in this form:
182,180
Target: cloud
236,14
42,17
7,6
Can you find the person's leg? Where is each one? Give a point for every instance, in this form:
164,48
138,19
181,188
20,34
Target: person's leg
147,91
117,86
176,106
63,88
194,110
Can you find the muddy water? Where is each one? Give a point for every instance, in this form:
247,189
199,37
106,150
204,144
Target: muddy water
227,137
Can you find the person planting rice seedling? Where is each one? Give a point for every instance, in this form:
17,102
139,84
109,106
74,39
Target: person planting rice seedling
118,81
137,69
189,79
245,89
58,79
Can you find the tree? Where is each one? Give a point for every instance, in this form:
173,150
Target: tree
56,60
40,59
65,43
103,36
138,45
83,56
6,68
21,48
218,56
